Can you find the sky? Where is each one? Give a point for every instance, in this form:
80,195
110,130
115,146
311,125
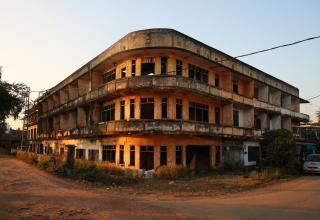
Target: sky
42,42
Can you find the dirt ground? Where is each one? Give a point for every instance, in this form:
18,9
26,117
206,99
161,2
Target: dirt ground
29,193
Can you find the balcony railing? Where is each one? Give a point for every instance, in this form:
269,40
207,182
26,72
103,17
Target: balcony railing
141,127
112,89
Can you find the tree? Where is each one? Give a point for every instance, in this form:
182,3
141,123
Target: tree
11,100
278,149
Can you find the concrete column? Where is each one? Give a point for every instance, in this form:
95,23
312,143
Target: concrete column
117,109
171,107
171,66
138,67
212,156
156,157
137,157
73,91
137,108
81,117
96,80
227,114
184,155
96,112
171,151
84,86
157,107
185,109
157,65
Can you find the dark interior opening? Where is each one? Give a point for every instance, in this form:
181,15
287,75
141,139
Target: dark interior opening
198,157
147,69
146,157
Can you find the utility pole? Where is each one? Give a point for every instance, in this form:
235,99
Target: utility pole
25,123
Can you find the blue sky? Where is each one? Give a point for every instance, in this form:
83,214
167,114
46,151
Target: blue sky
42,42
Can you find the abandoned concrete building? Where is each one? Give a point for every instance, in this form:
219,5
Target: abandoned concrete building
158,97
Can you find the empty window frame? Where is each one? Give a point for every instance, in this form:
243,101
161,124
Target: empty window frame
164,108
121,155
132,107
146,157
198,112
197,73
133,67
93,154
80,153
178,154
109,76
132,161
109,153
217,81
123,72
178,108
235,87
122,109
163,155
164,63
108,112
236,118
147,66
147,108
217,115
178,67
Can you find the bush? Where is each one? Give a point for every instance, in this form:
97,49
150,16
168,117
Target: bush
173,172
32,158
110,168
22,155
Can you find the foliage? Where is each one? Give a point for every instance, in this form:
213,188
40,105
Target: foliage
173,172
11,99
278,149
103,172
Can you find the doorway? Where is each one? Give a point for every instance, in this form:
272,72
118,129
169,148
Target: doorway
198,157
146,157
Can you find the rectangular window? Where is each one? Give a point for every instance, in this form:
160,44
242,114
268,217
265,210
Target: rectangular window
109,153
146,157
93,154
80,153
147,66
122,109
147,108
132,155
256,93
253,154
236,118
217,115
121,155
198,73
109,76
132,108
164,108
108,113
178,67
123,72
178,154
198,112
133,67
163,155
235,86
164,62
217,81
178,108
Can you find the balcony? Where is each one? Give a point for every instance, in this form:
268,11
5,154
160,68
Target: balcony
158,82
147,127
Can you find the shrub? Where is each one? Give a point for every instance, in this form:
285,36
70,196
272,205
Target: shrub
32,158
22,155
110,168
173,172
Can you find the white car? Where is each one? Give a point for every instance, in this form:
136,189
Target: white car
312,164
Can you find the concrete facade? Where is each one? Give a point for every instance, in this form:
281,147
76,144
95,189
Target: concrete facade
166,99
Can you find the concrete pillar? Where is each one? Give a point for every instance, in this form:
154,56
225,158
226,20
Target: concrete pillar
171,107
185,109
96,112
156,157
137,157
117,109
157,65
96,80
84,86
171,66
138,67
184,155
171,151
81,117
248,118
137,108
73,91
157,107
227,114
212,156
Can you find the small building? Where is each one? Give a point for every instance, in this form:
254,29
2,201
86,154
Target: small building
158,97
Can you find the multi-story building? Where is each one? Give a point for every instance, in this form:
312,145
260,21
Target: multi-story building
159,97
32,128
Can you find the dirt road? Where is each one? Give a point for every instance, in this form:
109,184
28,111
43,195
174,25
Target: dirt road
29,193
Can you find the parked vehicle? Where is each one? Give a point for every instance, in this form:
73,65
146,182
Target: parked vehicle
312,164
